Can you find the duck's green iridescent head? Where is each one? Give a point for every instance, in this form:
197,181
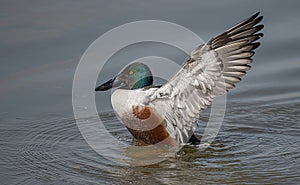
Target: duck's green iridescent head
134,76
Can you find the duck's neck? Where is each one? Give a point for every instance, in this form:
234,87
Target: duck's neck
144,82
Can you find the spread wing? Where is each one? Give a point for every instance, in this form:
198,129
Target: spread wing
213,69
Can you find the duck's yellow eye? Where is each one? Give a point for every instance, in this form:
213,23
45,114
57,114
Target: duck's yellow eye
130,72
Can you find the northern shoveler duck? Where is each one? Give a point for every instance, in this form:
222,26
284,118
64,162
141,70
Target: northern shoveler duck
167,113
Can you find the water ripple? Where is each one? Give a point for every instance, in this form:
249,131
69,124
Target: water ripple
258,143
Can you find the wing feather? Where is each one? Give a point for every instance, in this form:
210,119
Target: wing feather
212,69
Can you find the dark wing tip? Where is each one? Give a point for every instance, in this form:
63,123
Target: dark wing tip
255,45
258,19
256,14
259,27
260,35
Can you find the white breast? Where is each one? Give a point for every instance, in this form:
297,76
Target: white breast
122,100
